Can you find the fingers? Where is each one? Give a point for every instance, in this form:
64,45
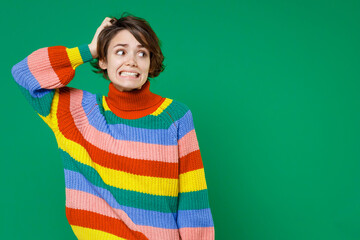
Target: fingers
107,19
106,22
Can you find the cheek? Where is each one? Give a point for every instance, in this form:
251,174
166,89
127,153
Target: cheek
115,64
146,66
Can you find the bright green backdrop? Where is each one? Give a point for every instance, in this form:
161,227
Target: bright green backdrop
274,90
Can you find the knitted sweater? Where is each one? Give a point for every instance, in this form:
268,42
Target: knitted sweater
132,162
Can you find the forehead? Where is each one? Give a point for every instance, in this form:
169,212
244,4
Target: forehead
125,38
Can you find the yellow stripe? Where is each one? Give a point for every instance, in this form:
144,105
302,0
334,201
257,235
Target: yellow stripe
105,106
51,118
83,233
159,110
162,107
193,181
74,56
120,179
111,177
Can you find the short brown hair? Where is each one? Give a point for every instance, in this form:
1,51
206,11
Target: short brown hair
140,29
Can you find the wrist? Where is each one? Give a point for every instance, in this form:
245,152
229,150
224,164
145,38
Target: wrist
92,50
79,55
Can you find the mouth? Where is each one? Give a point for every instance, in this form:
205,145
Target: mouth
129,75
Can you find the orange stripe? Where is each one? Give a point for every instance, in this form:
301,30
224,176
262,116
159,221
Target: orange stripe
103,223
61,64
106,159
190,162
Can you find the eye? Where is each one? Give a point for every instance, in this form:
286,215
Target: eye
144,54
119,51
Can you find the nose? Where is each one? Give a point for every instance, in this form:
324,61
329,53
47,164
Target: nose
131,61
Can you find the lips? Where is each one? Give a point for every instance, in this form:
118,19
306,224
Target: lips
130,71
129,76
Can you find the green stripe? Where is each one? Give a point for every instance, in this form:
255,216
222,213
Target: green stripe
194,200
85,53
145,201
175,109
41,105
147,122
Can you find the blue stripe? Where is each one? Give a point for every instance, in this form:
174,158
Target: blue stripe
24,78
195,218
185,124
75,180
123,131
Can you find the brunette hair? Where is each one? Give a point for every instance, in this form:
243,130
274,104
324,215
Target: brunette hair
143,33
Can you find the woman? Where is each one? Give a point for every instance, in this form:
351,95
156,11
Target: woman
132,163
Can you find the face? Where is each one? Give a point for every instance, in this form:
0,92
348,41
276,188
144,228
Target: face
125,57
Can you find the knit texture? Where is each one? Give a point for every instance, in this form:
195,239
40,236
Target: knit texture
132,171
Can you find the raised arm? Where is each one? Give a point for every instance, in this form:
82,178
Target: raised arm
42,73
194,218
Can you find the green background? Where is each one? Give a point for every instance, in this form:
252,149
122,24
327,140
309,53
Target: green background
274,90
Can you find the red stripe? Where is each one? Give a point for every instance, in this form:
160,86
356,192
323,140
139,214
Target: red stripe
104,158
191,161
61,64
103,223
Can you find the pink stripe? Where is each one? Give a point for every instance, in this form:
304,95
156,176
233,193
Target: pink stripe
43,71
204,233
85,201
188,143
159,233
106,142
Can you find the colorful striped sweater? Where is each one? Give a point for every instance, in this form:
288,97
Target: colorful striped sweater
130,172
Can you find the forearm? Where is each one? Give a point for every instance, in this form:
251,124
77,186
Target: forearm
49,67
44,71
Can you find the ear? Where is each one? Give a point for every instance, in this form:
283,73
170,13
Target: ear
102,64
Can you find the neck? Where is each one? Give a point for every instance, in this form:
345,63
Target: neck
133,104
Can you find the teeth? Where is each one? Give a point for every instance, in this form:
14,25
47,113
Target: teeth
128,74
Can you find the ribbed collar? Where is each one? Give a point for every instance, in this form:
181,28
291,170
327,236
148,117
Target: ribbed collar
140,100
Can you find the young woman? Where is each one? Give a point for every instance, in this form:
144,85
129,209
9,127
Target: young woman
132,163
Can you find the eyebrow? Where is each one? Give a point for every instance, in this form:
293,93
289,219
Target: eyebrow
125,45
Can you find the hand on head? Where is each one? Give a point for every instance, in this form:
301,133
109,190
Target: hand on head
93,45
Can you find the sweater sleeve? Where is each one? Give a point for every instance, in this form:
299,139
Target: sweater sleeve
194,218
42,73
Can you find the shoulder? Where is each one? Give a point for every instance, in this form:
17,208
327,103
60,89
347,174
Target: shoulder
75,98
179,111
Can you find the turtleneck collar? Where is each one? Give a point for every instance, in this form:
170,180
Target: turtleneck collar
133,104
